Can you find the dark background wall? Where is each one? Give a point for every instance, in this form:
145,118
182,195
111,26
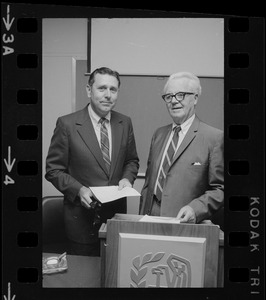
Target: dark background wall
140,98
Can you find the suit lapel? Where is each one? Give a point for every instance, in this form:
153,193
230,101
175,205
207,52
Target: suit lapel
87,133
188,138
117,133
159,146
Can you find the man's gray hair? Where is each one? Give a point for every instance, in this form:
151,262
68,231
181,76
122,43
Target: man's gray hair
187,75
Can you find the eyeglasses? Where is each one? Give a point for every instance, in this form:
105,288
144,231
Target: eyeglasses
180,96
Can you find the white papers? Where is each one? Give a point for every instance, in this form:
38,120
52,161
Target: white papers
110,193
156,219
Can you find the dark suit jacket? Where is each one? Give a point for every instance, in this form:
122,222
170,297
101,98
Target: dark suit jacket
199,185
75,160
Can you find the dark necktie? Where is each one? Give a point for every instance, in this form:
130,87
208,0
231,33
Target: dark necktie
167,162
105,143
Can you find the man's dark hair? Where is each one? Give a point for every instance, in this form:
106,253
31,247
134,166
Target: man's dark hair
103,71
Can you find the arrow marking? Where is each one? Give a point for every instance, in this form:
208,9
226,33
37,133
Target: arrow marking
8,162
9,293
7,21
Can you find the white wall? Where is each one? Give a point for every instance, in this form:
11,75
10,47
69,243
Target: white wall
153,46
64,41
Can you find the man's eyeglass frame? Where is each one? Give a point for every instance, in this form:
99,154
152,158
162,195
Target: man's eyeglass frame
181,95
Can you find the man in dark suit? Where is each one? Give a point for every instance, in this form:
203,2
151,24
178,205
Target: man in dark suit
88,151
190,184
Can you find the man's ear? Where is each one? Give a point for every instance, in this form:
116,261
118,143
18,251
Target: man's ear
196,97
88,89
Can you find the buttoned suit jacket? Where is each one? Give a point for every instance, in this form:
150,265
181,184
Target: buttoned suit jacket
75,159
196,176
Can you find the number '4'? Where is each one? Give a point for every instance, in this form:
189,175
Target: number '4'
8,180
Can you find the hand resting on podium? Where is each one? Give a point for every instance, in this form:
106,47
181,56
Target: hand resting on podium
186,215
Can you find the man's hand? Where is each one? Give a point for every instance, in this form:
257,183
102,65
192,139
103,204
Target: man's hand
123,183
85,195
186,215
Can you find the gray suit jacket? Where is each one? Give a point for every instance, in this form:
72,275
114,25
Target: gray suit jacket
75,160
195,177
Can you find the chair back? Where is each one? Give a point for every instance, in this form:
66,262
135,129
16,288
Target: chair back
53,219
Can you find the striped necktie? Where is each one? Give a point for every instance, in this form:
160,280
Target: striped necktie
167,162
105,143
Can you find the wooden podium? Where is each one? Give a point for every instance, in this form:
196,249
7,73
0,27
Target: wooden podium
150,254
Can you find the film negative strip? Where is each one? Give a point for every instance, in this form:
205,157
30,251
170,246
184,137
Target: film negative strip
22,154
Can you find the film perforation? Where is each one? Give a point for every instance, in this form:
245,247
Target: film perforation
27,168
27,204
239,132
27,96
238,60
239,275
239,203
238,239
239,167
27,275
238,96
27,25
27,132
27,239
238,25
27,61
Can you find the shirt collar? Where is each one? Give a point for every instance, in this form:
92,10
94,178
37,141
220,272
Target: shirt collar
95,118
184,126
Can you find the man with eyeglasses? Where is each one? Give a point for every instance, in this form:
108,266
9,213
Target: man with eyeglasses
185,169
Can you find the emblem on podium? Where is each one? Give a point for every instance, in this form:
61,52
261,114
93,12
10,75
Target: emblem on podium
176,272
177,262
